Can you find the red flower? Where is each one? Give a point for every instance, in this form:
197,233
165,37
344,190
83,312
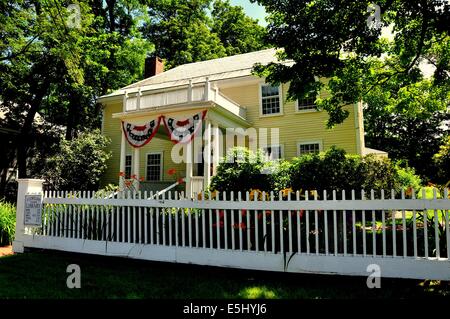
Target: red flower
141,179
300,213
128,183
268,212
244,212
180,181
122,174
171,171
241,225
133,176
220,224
221,213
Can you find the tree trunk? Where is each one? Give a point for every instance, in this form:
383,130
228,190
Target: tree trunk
24,137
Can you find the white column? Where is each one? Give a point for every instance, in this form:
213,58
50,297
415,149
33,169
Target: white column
207,154
25,186
138,99
122,144
122,158
188,159
136,165
216,147
207,89
190,91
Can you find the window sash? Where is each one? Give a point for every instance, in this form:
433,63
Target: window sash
154,167
128,165
309,148
270,100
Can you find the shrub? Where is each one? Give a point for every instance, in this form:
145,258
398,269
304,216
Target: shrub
242,170
378,173
442,160
407,177
79,164
7,223
332,170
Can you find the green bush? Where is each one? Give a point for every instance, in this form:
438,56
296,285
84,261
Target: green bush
407,177
442,160
332,170
242,170
7,223
79,164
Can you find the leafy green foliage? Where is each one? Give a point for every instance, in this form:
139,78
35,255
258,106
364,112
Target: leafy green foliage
332,170
237,32
50,69
7,222
408,123
332,39
185,31
241,170
442,160
79,163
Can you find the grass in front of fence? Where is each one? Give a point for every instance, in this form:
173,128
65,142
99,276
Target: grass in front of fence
43,275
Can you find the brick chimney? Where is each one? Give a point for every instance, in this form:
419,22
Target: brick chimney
153,65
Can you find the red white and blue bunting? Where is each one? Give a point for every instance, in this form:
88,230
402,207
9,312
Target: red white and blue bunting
179,131
140,135
183,131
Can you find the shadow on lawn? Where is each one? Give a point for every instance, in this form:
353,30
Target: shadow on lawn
42,274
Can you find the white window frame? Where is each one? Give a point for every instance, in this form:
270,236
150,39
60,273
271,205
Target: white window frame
131,166
305,110
161,166
280,97
281,146
306,142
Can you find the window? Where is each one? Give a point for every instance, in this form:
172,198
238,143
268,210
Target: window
273,152
307,103
309,148
154,166
128,161
270,100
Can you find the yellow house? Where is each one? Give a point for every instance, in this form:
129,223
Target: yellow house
173,118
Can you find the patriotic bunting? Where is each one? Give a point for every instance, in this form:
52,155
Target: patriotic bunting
140,135
182,131
179,131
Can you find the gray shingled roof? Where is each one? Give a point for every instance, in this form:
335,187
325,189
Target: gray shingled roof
216,69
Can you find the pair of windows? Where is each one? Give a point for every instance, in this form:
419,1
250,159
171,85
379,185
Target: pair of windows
271,101
274,152
154,166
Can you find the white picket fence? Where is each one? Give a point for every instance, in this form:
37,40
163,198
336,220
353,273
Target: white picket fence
297,232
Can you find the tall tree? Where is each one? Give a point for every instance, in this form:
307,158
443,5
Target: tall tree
49,67
408,123
185,31
238,32
342,40
180,31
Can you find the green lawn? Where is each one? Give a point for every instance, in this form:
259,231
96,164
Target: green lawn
43,275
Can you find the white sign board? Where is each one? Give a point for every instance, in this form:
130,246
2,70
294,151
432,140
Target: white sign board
33,210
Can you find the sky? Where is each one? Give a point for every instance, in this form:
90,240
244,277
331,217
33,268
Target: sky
252,9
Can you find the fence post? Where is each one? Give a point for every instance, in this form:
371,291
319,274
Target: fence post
25,186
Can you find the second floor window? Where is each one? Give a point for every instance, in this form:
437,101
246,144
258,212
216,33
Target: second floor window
307,103
270,100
